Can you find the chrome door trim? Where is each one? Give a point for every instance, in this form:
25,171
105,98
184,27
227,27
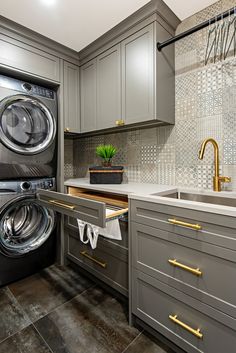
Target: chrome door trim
6,102
5,228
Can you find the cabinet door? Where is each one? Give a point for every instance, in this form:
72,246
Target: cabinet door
88,96
108,88
71,98
23,57
138,76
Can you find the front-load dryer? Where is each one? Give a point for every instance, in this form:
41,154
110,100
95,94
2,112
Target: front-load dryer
28,125
27,229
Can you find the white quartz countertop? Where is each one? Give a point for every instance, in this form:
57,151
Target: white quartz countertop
122,189
154,192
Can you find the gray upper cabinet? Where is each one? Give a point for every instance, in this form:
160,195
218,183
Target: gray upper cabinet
26,58
109,88
88,94
138,70
126,80
71,98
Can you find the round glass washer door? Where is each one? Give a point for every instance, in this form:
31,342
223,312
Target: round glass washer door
24,226
26,125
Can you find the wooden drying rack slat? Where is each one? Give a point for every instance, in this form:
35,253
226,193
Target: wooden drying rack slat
113,200
117,213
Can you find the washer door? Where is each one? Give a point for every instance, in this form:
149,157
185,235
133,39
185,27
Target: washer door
26,125
24,226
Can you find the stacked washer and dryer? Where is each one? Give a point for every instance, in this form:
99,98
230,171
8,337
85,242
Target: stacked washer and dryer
28,161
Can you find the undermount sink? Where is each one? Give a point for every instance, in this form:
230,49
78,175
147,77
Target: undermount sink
211,199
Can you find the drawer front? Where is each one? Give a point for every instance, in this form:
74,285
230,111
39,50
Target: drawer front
197,269
215,229
90,211
156,306
29,59
108,264
72,223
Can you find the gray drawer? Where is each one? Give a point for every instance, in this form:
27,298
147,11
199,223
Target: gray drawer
154,302
215,229
87,210
72,224
107,262
199,269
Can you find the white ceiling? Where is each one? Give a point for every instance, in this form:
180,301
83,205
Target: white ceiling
184,9
76,23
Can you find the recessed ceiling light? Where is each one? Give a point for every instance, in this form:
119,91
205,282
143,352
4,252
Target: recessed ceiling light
48,2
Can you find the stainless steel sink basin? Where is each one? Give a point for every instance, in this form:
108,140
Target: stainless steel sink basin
215,200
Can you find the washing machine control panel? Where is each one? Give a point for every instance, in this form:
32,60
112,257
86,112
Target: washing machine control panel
25,185
33,185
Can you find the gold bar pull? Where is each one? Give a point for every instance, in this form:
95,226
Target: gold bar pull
196,333
58,203
185,224
98,262
195,271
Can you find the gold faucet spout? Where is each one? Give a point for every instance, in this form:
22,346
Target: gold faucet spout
217,179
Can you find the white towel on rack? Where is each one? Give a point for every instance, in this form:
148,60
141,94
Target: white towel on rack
89,233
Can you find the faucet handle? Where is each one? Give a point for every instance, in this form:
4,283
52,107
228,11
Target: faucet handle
225,179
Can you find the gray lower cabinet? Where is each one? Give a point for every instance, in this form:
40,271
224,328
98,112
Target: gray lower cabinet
183,264
138,76
186,322
109,88
190,266
71,98
215,229
108,262
88,96
23,57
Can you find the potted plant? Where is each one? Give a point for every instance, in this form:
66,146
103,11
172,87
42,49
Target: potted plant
106,174
106,152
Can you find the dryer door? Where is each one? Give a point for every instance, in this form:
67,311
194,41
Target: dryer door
24,226
26,125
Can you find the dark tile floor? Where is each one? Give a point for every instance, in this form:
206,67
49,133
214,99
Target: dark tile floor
60,311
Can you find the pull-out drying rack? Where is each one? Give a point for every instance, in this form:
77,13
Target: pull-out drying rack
117,202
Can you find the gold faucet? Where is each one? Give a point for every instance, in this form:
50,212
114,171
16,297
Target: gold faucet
217,179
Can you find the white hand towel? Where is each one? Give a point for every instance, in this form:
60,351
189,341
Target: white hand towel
112,231
81,226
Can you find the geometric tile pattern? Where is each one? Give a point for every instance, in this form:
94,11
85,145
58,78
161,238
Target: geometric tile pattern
205,107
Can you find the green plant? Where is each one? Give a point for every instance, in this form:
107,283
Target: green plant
106,152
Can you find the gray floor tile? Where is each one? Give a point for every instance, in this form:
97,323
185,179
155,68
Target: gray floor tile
12,317
93,322
25,341
144,344
41,293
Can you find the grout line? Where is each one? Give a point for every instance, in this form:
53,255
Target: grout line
31,323
25,313
43,338
26,316
132,341
68,301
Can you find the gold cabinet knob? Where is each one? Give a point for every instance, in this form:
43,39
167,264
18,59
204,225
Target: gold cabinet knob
67,129
120,122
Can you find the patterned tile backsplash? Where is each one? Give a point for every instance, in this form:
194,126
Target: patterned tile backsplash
205,107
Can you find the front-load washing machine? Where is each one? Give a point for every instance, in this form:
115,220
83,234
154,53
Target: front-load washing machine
27,229
28,125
